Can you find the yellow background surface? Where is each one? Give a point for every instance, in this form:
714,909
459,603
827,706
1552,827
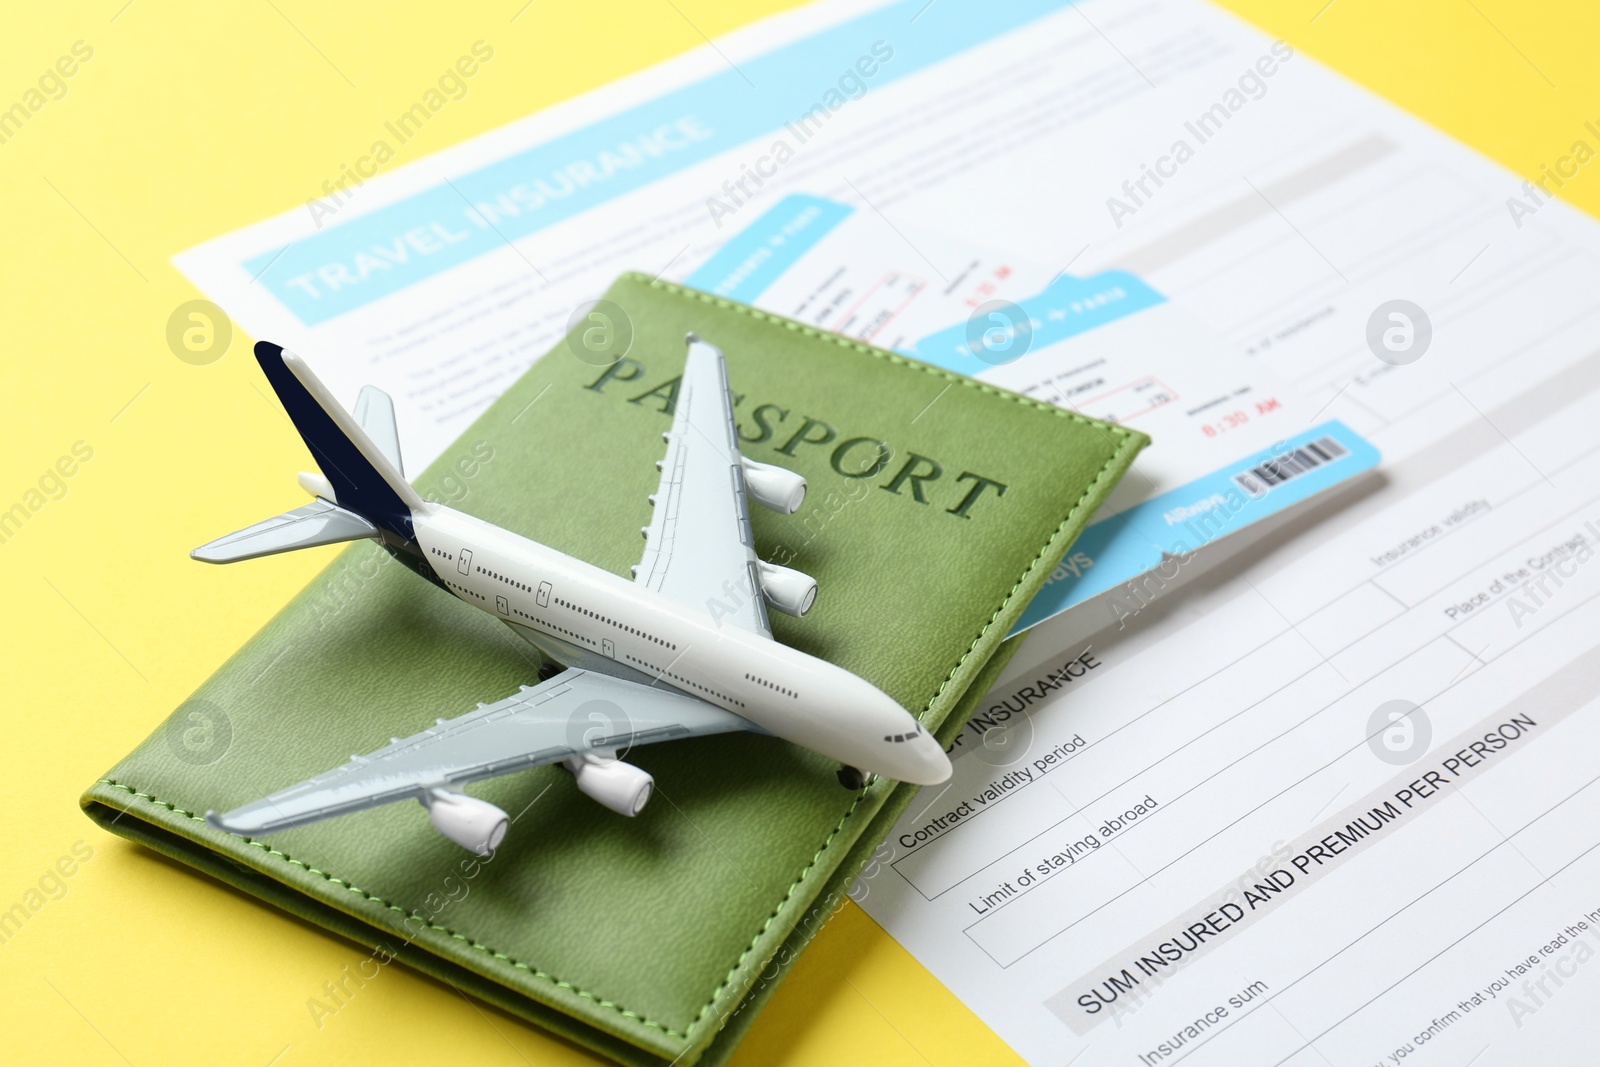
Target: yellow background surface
193,119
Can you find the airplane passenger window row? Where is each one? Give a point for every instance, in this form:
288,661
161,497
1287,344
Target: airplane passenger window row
593,615
772,685
552,626
662,672
443,553
512,582
601,618
500,578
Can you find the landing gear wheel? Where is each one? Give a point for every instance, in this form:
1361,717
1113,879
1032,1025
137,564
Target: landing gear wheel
852,778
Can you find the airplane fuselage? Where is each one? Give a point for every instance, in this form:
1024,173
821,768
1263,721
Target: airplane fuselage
581,614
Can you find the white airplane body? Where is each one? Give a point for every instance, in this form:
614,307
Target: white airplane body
575,610
683,650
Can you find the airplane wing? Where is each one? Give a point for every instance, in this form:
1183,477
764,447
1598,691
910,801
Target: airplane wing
698,547
574,713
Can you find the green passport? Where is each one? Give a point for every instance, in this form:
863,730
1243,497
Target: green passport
938,506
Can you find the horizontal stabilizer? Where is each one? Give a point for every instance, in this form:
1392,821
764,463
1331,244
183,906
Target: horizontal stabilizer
318,523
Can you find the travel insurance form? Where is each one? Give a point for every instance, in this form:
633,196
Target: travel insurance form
1325,797
1334,800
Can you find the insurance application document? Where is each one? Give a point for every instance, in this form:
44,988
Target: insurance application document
1330,799
1336,800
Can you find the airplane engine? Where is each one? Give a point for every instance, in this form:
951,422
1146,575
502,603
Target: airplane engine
476,825
790,591
622,787
777,488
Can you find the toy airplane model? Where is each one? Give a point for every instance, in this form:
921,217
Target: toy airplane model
650,647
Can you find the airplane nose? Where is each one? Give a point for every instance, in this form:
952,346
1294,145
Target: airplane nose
886,739
919,759
932,765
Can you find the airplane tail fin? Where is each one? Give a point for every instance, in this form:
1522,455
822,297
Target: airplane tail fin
369,494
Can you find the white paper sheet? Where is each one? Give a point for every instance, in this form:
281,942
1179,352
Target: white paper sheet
1332,802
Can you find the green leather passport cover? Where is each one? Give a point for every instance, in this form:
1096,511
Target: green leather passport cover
937,507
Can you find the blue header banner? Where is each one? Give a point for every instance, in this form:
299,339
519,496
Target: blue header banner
793,89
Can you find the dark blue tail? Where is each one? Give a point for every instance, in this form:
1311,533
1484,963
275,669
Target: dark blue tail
363,479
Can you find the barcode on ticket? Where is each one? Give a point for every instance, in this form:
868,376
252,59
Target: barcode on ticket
1291,464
